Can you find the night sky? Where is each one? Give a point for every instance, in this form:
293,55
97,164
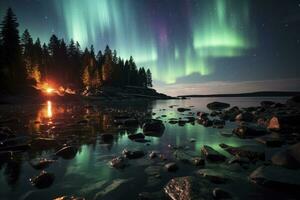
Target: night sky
191,46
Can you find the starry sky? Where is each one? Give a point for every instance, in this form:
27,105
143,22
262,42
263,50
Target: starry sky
191,46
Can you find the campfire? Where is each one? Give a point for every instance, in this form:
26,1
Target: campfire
51,89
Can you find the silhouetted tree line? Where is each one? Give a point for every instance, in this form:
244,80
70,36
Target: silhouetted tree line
23,62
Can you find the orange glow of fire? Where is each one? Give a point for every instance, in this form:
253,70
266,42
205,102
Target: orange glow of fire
50,89
49,109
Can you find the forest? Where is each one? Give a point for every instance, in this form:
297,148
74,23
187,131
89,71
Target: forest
25,63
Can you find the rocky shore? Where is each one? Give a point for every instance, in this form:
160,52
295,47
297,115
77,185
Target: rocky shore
271,167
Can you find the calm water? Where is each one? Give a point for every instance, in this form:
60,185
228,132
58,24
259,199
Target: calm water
88,173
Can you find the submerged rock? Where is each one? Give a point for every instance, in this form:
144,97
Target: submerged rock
217,106
188,188
212,155
43,180
154,128
289,158
136,136
171,167
183,109
212,175
219,193
252,152
68,152
276,177
133,154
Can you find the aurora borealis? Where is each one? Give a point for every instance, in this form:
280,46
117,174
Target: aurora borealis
181,41
154,36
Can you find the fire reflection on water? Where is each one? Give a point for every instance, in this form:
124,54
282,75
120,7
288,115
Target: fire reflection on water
49,109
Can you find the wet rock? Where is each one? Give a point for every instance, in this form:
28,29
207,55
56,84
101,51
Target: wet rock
205,122
131,122
136,136
68,152
202,115
219,193
212,176
183,109
276,177
218,123
107,137
153,154
212,155
118,162
153,128
69,198
271,140
294,101
252,152
198,161
289,158
43,180
218,106
249,131
245,116
133,154
285,123
267,104
230,114
188,188
171,167
42,164
238,159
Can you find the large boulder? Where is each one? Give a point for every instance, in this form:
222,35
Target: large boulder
276,177
217,105
153,127
289,158
212,155
188,188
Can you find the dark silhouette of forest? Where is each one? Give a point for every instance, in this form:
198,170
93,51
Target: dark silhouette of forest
24,63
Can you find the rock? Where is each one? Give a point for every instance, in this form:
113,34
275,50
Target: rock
68,152
198,161
289,158
205,122
183,109
267,104
188,188
239,160
153,154
285,123
117,162
230,114
42,164
212,155
6,133
219,193
270,140
252,152
131,122
133,154
249,131
202,115
212,176
107,137
218,106
171,167
136,136
43,180
218,123
153,128
69,198
294,101
245,116
276,177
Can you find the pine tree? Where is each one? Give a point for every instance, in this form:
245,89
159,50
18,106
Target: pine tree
149,78
13,71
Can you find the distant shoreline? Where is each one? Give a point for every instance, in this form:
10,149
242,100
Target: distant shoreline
250,94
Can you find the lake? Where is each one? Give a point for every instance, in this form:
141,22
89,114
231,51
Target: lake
49,126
